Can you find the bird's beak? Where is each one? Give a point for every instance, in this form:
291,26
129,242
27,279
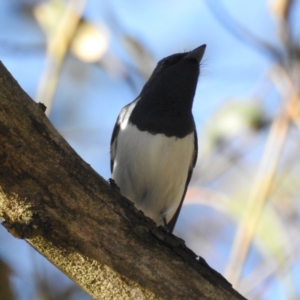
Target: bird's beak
196,53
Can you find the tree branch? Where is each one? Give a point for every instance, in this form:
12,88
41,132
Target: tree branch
66,211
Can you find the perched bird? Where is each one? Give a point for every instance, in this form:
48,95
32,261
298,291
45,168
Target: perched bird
154,141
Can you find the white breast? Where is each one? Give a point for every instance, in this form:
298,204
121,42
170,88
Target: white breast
151,170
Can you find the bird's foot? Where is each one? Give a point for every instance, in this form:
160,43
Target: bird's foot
165,226
113,184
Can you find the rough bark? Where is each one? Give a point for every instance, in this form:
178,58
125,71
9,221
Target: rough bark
71,215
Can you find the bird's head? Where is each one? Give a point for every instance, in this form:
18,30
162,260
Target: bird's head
175,77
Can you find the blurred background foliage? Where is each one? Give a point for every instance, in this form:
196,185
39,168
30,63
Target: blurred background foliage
85,59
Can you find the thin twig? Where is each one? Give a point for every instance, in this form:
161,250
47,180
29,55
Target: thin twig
56,50
265,270
281,11
240,32
258,197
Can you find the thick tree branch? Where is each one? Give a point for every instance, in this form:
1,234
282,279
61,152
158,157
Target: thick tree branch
72,216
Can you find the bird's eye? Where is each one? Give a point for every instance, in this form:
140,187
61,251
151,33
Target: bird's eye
165,63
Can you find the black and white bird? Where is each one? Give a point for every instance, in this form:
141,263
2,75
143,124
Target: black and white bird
154,141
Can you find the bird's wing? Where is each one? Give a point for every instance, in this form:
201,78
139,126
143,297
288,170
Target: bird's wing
121,120
173,221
